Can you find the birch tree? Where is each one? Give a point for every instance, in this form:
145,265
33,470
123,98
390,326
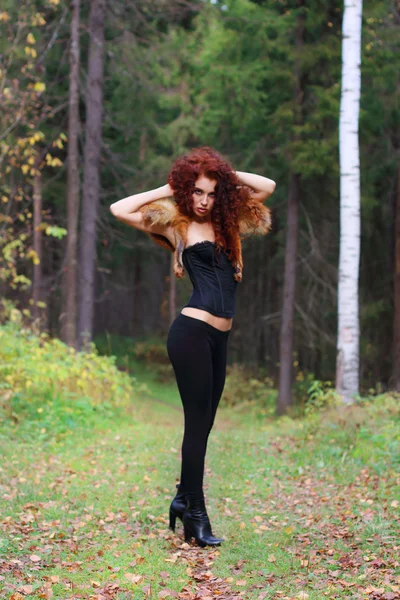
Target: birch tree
347,366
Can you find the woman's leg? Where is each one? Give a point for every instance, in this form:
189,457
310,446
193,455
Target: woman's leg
190,353
219,359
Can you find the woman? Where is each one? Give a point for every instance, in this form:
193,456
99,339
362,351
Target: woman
213,207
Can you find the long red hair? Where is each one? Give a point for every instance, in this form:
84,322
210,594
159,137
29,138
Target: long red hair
230,193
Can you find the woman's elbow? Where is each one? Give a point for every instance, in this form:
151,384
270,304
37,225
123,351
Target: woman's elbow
114,209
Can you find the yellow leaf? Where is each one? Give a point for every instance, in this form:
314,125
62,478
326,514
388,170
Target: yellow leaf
33,255
54,2
4,16
4,199
39,86
30,38
289,530
38,20
25,169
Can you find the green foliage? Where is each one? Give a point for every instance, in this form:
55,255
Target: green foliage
320,396
154,354
35,366
245,388
150,352
25,150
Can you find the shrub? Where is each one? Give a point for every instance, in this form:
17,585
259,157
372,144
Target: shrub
36,366
244,386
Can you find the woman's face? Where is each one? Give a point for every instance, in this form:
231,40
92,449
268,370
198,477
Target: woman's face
204,196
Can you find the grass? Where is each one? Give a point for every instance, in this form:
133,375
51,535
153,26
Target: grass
308,508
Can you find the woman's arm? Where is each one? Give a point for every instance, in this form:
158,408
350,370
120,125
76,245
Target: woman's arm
128,211
261,187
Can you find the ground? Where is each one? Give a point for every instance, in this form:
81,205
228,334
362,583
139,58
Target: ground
308,508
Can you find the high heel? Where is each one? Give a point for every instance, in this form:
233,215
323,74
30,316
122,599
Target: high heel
172,519
196,522
177,508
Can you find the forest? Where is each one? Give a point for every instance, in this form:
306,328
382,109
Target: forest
171,76
98,99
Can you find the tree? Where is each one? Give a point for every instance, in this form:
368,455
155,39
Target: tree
396,320
347,367
91,180
292,233
70,273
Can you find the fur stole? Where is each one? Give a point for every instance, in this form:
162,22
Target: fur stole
254,218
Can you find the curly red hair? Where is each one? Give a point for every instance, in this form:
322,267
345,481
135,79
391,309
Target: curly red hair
230,193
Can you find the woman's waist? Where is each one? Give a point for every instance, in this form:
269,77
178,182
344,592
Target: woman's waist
221,323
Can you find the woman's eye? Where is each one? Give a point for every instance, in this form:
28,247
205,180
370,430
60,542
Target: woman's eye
197,191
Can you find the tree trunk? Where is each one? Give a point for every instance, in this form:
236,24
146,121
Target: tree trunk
396,321
347,366
91,181
285,399
70,273
137,295
172,291
37,241
289,288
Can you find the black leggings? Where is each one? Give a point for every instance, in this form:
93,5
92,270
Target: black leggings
198,354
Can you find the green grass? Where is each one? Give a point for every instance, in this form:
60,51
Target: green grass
308,508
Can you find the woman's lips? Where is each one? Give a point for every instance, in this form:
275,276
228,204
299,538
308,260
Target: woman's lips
203,210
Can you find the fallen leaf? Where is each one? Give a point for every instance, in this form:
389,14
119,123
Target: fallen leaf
35,558
302,595
16,596
26,589
133,578
241,582
271,558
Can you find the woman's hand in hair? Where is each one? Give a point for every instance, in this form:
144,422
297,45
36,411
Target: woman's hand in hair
260,187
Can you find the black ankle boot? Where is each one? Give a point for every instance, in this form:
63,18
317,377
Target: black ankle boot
196,522
177,508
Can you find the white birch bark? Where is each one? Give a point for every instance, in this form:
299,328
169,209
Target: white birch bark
347,367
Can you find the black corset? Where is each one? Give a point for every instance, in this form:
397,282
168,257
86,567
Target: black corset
212,276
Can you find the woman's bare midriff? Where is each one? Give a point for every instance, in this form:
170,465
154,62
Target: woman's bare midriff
221,323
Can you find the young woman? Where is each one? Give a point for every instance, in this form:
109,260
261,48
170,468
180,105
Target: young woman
212,207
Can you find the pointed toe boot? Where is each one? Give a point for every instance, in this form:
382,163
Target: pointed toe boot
196,522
